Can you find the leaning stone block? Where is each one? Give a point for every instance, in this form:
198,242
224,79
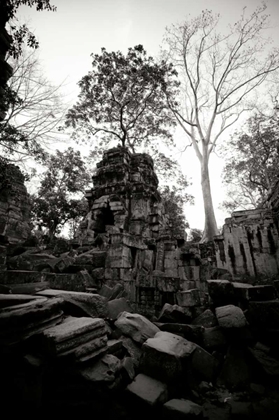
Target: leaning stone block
148,390
230,316
221,291
136,326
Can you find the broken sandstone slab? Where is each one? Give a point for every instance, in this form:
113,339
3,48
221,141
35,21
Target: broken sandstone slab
148,390
104,370
230,316
188,298
180,408
20,322
221,291
78,339
136,326
92,304
168,356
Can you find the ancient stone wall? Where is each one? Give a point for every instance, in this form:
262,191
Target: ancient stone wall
248,245
14,207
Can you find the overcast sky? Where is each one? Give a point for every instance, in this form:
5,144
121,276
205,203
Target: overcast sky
78,28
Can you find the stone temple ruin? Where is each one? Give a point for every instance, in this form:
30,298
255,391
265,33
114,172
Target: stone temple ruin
130,318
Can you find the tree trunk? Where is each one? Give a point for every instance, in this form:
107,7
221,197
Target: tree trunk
210,225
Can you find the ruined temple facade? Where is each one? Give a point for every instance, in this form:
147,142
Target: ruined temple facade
127,225
249,244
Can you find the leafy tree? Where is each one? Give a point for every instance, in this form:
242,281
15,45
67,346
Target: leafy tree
218,72
195,235
20,34
56,201
174,200
252,164
123,98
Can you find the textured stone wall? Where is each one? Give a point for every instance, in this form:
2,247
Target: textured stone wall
248,245
126,221
14,207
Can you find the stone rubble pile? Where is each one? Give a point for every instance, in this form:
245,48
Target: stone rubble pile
224,359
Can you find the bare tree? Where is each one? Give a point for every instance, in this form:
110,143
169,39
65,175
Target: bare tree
218,73
35,110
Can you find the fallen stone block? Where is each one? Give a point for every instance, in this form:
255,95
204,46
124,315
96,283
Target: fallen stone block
72,333
91,304
17,323
268,363
136,326
104,370
207,319
10,277
262,293
164,356
15,299
190,332
221,292
175,313
148,390
180,409
213,338
127,366
116,306
29,288
230,316
133,349
76,340
235,371
263,315
203,364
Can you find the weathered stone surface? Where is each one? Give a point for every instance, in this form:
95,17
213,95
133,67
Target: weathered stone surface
268,363
15,299
203,364
15,206
136,326
127,365
20,322
103,371
22,277
174,313
148,390
188,298
29,288
235,370
263,315
180,409
133,349
262,292
164,355
92,304
207,319
68,334
119,256
213,338
221,292
114,346
92,257
190,332
230,316
116,306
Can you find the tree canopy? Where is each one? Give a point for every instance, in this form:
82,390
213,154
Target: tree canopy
56,201
123,97
252,163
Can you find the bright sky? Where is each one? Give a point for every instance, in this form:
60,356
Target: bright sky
79,28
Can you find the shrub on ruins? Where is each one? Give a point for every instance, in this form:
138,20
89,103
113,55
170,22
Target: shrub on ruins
58,199
123,98
252,160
